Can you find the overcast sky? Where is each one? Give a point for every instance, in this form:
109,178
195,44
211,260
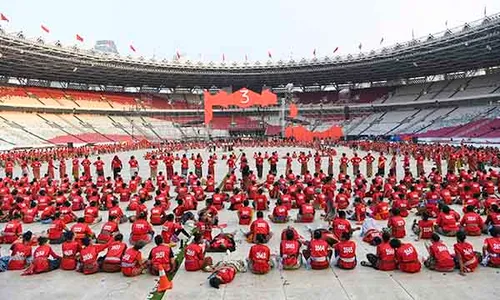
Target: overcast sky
207,29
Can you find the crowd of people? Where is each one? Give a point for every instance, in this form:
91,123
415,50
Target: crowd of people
342,196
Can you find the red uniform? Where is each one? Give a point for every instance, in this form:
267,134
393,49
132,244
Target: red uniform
407,258
161,255
69,250
346,253
20,252
386,256
473,223
319,254
131,262
426,228
245,215
397,226
466,252
193,256
289,251
492,245
443,258
259,255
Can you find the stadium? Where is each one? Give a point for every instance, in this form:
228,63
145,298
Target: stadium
429,106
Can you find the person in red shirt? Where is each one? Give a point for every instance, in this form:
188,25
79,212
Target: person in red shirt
81,230
369,164
153,167
141,230
9,168
472,223
91,213
340,225
99,167
41,261
259,226
245,214
198,163
194,255
116,166
491,249
75,168
86,166
89,255
356,161
223,275
406,256
306,213
57,229
259,165
133,166
440,258
132,262
70,252
465,255
36,166
280,213
381,164
111,262
259,257
13,229
20,255
108,230
493,218
290,256
423,228
260,202
161,255
446,222
385,258
184,165
397,224
157,214
345,252
318,252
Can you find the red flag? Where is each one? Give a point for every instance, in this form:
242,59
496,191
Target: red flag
44,28
336,49
132,48
79,38
314,52
269,54
4,18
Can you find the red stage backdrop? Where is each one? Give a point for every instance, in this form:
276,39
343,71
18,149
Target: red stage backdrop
241,98
303,134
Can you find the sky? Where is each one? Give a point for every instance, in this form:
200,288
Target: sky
207,30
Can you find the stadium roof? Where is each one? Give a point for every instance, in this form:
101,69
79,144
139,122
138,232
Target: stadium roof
470,47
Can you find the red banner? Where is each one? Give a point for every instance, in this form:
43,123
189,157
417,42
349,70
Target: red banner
303,134
241,98
294,111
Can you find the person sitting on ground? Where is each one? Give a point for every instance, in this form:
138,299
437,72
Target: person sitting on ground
141,230
111,262
108,230
397,224
423,228
245,213
306,212
466,258
472,223
162,255
82,230
41,261
259,226
385,258
280,213
88,256
57,229
345,252
259,257
406,256
20,256
194,255
318,252
446,224
290,255
493,218
491,249
440,258
13,229
71,252
132,262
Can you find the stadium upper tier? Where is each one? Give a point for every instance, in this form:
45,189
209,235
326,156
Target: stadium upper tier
469,47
